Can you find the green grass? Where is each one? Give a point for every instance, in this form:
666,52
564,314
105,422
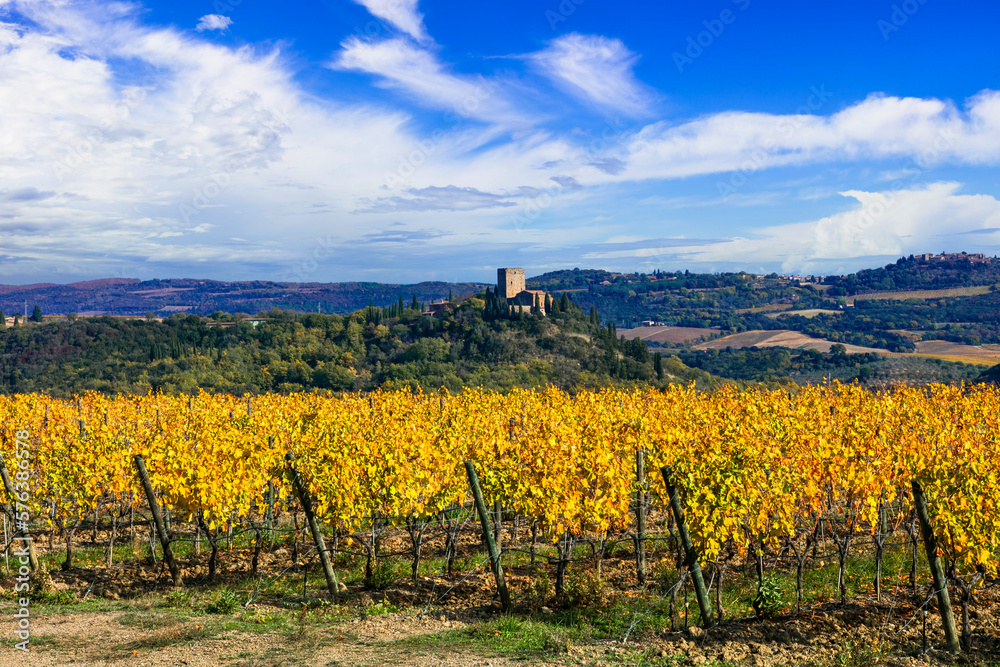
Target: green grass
506,636
171,617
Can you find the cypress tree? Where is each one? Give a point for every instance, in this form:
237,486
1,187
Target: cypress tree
658,365
415,305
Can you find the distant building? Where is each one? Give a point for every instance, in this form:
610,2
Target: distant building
976,257
439,307
511,288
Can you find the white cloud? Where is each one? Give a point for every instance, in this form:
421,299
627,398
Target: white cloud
213,22
928,132
880,224
420,74
596,69
130,142
402,14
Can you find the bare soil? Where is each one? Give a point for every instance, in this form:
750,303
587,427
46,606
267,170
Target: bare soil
779,338
676,335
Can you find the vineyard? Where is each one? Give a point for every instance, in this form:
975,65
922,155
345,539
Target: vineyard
760,480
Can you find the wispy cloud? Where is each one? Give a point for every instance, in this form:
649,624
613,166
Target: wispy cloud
448,198
596,69
25,194
402,14
418,236
419,74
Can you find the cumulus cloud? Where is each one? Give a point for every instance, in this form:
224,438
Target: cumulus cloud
213,22
402,14
881,224
596,69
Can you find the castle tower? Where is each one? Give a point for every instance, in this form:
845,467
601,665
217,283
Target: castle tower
510,283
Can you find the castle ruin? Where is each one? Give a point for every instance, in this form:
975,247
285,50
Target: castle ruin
511,287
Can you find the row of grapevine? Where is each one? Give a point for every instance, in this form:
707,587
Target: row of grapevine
754,467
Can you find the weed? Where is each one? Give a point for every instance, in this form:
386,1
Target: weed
664,574
381,608
55,597
385,573
858,653
585,589
538,592
769,597
178,598
226,603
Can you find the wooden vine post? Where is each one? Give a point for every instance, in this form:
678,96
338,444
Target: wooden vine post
640,518
484,519
8,485
937,569
690,554
161,529
302,491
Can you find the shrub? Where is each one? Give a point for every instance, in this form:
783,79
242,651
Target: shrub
585,588
538,592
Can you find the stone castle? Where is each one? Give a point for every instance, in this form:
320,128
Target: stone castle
511,287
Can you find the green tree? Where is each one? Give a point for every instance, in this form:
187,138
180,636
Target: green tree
658,365
36,314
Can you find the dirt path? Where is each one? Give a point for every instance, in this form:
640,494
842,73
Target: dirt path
840,635
121,639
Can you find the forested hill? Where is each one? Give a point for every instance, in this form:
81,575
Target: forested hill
126,296
913,273
473,344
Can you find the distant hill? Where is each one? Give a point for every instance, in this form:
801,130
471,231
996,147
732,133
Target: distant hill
923,272
991,375
467,344
125,296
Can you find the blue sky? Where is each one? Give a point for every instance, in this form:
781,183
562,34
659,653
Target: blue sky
399,140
